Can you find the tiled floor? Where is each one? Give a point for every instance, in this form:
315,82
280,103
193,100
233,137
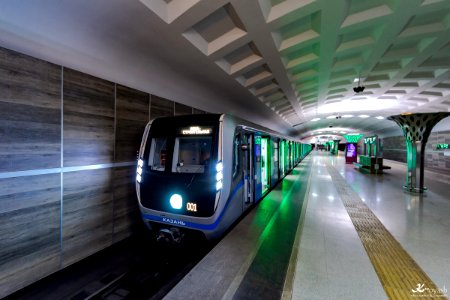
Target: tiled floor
332,263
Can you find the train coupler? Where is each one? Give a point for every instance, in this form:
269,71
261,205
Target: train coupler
171,235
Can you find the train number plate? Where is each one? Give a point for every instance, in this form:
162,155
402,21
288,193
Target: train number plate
191,206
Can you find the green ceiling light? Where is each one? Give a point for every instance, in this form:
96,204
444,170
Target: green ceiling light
352,137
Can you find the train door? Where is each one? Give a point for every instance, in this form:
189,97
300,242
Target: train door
258,167
291,150
274,169
288,148
282,159
265,165
247,165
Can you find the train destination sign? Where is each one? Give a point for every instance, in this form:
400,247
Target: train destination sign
196,130
442,146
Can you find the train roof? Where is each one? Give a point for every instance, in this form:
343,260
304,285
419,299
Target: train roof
211,117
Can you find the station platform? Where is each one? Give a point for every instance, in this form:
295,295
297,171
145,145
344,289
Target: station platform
330,232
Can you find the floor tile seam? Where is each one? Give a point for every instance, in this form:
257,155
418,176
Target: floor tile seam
341,184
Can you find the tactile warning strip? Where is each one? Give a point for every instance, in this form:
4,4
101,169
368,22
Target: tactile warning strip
399,274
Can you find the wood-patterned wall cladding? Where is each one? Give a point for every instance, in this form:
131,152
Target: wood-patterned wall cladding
161,107
30,113
88,119
46,109
181,109
198,111
29,229
126,212
132,114
87,213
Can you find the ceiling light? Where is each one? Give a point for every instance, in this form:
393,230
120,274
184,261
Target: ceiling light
347,116
356,80
320,131
331,117
315,119
343,132
369,104
363,116
379,118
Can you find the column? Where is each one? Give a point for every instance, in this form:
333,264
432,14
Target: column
416,129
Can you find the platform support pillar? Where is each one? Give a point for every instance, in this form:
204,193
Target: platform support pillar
416,129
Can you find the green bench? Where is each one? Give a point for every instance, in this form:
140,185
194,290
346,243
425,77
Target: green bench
370,164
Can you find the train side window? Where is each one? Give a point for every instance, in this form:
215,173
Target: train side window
236,155
158,154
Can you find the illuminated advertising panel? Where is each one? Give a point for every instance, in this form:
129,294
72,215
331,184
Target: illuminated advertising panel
351,150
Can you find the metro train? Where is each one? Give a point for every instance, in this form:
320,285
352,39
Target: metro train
200,173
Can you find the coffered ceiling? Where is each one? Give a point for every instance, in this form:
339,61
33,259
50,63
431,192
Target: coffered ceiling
287,64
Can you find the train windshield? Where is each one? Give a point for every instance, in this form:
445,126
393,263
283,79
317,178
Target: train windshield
191,154
158,154
182,150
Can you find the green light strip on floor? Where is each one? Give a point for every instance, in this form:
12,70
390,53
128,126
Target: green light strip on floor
289,281
400,276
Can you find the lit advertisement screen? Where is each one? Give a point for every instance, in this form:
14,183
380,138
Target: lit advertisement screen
351,150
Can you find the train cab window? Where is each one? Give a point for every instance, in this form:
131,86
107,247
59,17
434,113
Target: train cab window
158,154
192,154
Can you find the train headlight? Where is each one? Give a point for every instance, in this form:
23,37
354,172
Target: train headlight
176,201
219,185
219,176
139,170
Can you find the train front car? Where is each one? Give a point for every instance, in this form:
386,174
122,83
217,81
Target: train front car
180,175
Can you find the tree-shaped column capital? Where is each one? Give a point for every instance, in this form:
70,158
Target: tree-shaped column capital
416,129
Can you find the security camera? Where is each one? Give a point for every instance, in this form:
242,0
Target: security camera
359,89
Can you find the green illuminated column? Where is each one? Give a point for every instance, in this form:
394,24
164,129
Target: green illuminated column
334,146
416,129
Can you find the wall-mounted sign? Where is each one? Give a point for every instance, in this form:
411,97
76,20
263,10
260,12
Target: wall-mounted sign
442,146
196,130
